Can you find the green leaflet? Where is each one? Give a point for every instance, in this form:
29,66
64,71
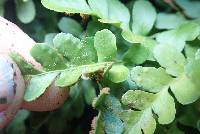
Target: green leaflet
149,78
193,71
138,99
185,90
178,36
88,51
74,50
65,50
25,10
191,8
143,21
109,115
118,73
170,58
109,12
111,109
105,45
67,45
112,105
138,122
143,101
113,124
69,25
67,6
136,54
48,57
182,31
164,107
68,77
38,84
169,21
146,42
135,38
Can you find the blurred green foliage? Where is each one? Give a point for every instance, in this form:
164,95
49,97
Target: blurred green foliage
143,33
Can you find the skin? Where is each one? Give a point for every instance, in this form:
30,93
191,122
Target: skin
14,39
12,90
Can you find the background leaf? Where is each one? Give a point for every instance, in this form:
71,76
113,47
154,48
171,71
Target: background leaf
109,12
67,6
25,10
144,16
185,32
169,21
93,26
2,8
69,25
18,123
191,8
